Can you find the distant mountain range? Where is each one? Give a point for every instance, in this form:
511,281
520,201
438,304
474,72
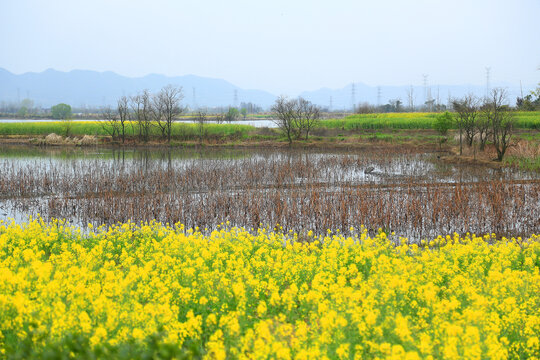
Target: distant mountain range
85,88
81,88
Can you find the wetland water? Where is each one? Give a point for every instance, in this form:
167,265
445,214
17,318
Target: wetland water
414,194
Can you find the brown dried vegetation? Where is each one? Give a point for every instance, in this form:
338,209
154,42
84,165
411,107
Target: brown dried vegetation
411,194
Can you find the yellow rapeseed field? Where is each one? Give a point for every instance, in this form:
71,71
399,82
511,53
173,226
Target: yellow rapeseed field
153,291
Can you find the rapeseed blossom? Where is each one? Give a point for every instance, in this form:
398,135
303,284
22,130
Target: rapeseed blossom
234,294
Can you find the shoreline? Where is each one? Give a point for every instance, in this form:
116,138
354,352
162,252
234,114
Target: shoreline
424,141
346,142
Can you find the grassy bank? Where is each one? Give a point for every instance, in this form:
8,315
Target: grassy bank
149,291
396,121
524,120
79,128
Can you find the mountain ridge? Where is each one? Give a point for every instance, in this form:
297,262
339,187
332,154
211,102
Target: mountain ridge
92,88
89,88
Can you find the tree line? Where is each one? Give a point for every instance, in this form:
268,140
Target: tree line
295,117
529,102
144,111
480,120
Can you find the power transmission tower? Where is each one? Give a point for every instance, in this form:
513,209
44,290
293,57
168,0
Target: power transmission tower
410,97
330,106
379,93
235,98
425,76
194,98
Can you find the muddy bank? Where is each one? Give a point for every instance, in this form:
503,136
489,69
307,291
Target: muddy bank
348,142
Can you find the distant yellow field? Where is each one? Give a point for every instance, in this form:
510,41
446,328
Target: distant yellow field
417,120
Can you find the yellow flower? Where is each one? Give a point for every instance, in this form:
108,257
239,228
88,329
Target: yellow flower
267,295
261,308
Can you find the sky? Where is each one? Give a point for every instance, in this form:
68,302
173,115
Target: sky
282,46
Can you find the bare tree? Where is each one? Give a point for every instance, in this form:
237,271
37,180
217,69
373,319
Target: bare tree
158,114
365,108
123,116
220,117
110,123
295,117
142,111
307,116
284,110
502,121
395,105
466,114
483,128
200,118
167,108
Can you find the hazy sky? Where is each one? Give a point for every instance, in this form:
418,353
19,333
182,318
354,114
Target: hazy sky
283,46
